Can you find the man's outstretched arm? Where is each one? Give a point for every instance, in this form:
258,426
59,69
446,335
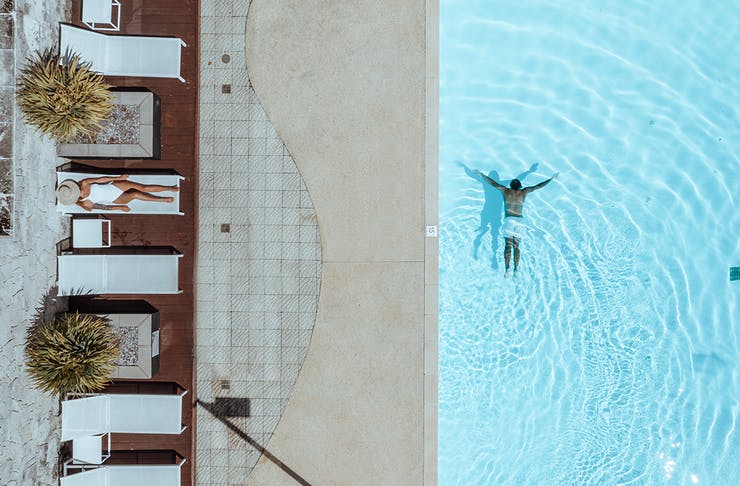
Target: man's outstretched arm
541,184
491,181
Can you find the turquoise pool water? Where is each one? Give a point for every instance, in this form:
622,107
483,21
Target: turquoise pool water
611,358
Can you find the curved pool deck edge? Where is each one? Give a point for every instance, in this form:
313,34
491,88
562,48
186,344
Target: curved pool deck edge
352,91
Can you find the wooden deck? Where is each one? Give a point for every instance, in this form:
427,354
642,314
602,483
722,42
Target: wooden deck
179,151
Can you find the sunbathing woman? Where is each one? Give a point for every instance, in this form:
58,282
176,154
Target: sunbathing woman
109,193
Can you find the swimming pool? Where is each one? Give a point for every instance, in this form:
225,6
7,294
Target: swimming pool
611,357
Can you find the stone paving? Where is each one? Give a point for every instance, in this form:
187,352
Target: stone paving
7,93
259,258
29,422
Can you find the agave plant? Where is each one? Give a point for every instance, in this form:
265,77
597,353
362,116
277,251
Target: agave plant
61,96
75,353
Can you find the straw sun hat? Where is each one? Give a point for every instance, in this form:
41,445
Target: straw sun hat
68,192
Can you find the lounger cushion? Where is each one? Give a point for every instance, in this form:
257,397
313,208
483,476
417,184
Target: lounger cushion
85,416
137,206
126,475
146,414
122,413
124,55
143,56
91,477
118,274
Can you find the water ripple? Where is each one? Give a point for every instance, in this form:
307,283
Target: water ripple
610,358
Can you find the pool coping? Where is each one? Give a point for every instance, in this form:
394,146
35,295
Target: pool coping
431,247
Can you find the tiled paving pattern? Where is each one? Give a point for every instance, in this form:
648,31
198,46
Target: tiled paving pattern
259,257
7,95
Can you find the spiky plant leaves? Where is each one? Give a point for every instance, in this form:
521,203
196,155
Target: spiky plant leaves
61,97
74,354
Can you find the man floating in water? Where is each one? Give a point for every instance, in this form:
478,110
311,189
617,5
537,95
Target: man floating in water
493,206
513,227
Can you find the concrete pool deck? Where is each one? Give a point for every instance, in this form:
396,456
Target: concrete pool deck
365,394
352,91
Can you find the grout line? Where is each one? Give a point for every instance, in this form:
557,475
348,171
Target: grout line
271,302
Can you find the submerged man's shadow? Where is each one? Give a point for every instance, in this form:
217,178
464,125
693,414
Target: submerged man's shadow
493,207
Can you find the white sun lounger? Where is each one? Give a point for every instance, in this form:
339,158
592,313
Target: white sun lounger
118,274
122,413
123,55
137,206
127,475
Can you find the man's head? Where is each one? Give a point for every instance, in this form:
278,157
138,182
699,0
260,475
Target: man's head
515,184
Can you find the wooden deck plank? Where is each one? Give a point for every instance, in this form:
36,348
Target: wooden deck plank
179,137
